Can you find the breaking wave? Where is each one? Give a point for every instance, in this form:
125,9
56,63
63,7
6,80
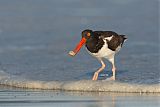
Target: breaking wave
81,85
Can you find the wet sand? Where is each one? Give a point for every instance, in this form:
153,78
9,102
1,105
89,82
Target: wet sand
15,97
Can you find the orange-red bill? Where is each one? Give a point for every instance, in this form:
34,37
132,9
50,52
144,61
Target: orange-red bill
78,47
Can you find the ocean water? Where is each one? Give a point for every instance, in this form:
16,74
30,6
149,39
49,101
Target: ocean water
36,36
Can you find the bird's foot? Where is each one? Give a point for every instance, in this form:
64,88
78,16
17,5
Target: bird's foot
112,78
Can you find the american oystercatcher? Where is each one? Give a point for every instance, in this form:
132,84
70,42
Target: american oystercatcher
102,45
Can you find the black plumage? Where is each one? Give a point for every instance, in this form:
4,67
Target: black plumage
96,41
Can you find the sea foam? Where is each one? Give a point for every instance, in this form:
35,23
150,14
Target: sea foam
81,85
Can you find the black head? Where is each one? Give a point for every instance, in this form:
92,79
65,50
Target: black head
87,33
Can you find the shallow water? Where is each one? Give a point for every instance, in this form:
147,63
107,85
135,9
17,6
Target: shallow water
11,97
35,37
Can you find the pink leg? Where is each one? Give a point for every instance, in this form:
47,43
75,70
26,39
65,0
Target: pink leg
113,69
114,73
95,77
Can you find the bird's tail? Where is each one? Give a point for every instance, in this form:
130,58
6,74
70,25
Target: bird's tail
124,37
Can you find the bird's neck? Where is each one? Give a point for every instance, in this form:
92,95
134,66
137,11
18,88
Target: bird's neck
92,39
91,44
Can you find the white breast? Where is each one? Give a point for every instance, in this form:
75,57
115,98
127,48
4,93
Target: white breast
104,52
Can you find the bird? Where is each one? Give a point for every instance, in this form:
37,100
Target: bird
101,45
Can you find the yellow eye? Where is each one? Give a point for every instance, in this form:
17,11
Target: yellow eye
88,34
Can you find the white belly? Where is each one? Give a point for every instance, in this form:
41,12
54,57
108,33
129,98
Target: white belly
105,52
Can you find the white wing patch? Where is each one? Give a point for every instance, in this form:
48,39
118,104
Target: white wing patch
108,38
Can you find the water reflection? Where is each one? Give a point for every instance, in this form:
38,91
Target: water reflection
13,97
109,99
